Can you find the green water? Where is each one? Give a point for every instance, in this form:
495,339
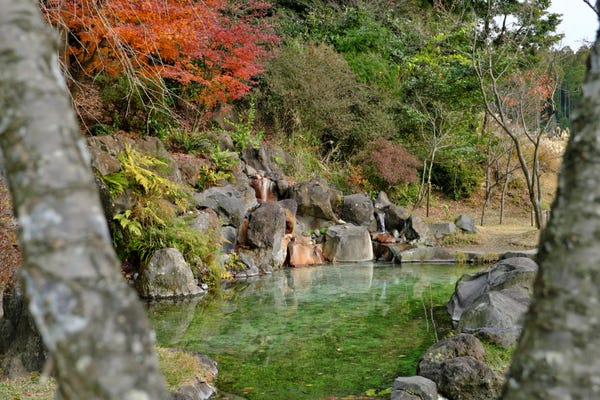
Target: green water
313,332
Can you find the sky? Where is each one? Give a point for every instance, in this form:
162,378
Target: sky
579,22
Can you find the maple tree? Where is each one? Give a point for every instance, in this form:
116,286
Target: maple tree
214,46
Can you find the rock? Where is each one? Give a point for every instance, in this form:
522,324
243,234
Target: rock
396,218
456,366
422,255
415,230
523,253
441,229
317,203
104,152
357,209
414,388
496,315
265,236
251,268
347,243
190,167
266,226
302,251
203,388
206,220
494,301
290,208
384,237
167,275
390,251
228,239
382,202
22,350
465,223
229,202
264,159
465,378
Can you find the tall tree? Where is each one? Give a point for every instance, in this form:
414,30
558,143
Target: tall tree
518,79
91,322
558,355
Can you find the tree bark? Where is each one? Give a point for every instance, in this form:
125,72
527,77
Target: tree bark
91,322
558,355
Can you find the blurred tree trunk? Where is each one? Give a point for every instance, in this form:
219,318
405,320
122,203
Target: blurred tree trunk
91,322
558,355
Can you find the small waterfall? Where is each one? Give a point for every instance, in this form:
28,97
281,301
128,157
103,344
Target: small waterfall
380,220
263,188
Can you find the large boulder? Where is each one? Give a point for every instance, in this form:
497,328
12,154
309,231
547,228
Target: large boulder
466,378
190,167
456,366
357,209
396,218
496,315
348,242
417,231
266,226
167,275
439,230
206,220
465,223
493,302
414,388
21,348
265,235
231,203
318,203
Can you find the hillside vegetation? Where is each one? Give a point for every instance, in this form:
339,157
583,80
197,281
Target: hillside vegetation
438,103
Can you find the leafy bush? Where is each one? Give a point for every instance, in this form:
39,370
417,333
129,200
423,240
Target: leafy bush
136,105
456,179
242,133
387,165
156,221
311,88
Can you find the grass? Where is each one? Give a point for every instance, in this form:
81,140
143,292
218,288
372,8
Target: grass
179,368
498,358
30,387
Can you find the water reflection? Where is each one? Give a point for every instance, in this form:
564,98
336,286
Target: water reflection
330,326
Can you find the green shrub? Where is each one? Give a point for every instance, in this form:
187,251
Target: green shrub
311,88
193,142
242,133
138,106
456,179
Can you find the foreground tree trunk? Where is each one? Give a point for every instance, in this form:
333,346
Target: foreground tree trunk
91,322
558,355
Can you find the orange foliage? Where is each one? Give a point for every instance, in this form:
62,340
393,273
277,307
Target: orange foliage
218,45
531,87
